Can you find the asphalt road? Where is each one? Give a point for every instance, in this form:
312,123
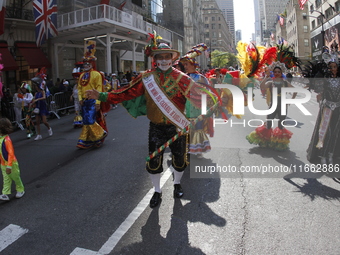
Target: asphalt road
96,201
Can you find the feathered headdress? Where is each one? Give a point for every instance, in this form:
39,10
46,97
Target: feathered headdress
312,71
286,55
192,54
253,58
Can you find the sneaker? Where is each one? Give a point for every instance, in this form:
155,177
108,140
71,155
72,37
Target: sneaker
39,137
20,194
4,197
50,133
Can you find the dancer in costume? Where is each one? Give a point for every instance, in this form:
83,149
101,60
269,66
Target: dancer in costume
325,142
264,136
94,128
161,94
39,102
199,142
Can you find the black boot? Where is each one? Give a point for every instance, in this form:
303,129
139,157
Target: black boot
178,191
156,199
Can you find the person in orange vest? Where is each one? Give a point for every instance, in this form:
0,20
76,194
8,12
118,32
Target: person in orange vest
9,164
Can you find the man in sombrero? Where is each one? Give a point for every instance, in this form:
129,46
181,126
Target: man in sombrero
160,93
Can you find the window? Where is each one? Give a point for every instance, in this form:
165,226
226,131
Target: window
313,24
206,19
319,20
311,8
206,25
329,13
213,26
219,34
305,29
317,3
212,18
219,26
304,15
337,6
306,42
214,34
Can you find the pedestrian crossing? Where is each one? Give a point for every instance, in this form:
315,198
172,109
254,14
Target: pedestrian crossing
10,234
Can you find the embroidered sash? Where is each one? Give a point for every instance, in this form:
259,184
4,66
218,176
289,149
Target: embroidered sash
164,103
325,119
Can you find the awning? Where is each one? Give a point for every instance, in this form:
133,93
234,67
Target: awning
33,55
7,59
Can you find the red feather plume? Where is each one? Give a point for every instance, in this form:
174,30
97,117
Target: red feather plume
269,57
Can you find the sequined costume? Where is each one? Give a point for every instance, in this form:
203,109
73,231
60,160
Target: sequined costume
94,129
325,138
178,87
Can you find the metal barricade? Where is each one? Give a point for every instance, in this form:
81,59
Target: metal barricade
63,101
51,105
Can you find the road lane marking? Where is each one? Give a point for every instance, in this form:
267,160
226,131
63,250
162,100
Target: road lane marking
10,234
81,251
126,225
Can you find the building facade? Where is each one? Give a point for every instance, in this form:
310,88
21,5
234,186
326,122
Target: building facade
325,25
266,17
216,30
227,8
120,31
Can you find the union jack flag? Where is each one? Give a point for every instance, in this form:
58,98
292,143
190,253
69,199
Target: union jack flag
45,17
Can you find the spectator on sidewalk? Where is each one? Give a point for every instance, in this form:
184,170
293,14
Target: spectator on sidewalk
18,103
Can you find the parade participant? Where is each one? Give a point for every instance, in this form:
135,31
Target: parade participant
39,103
199,142
159,93
325,139
9,164
264,136
27,98
179,66
115,82
94,128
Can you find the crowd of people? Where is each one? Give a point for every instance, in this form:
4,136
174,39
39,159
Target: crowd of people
170,94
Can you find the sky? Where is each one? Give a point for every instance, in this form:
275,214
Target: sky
244,18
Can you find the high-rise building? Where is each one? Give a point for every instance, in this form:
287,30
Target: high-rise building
238,35
227,8
266,17
216,31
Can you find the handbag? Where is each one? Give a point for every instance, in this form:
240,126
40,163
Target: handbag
36,110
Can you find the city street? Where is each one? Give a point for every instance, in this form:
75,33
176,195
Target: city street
86,202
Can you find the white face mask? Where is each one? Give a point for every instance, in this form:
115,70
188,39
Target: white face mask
164,64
